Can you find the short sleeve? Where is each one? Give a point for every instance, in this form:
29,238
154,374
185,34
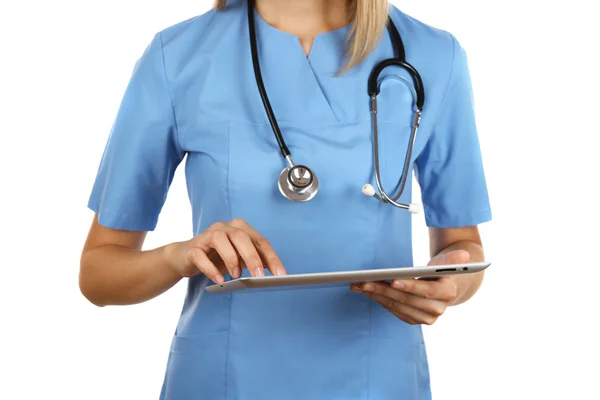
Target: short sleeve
142,152
450,170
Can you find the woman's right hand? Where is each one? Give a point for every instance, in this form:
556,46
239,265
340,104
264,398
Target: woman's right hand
225,248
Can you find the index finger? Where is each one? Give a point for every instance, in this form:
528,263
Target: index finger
269,257
266,252
437,290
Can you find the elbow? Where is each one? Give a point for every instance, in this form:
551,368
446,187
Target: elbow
91,297
87,290
88,284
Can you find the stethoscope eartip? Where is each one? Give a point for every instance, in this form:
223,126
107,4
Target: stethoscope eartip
368,189
414,208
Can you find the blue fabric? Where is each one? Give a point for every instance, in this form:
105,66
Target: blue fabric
193,94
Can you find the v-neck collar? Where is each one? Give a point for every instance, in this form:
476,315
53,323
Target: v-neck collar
333,37
295,82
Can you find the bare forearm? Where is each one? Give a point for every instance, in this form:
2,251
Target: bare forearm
468,284
115,275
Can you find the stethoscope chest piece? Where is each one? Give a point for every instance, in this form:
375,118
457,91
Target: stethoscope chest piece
298,183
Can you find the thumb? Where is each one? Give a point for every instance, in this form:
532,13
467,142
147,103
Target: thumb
451,257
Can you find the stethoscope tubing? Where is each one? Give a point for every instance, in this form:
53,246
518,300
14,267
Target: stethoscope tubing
285,152
373,90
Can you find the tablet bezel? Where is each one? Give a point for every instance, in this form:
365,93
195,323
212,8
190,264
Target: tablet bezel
339,278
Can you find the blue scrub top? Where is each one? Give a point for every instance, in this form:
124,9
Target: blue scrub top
193,93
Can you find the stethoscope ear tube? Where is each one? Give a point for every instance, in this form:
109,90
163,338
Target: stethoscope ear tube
373,91
373,84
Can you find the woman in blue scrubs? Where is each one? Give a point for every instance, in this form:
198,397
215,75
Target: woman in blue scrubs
193,93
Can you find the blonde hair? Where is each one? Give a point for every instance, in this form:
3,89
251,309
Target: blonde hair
369,22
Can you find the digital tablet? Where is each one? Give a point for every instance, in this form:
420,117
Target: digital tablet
328,279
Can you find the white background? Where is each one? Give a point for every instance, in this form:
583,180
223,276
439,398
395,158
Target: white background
530,331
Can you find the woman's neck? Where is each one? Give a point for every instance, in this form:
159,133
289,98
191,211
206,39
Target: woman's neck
304,18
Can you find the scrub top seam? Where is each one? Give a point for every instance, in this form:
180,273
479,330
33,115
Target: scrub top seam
228,195
444,99
228,199
283,124
225,377
371,303
164,71
447,88
369,352
321,89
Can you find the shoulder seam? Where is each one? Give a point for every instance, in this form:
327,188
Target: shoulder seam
164,70
450,75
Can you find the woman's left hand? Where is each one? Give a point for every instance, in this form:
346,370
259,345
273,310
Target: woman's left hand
418,301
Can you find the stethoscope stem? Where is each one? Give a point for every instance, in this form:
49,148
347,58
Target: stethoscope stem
289,160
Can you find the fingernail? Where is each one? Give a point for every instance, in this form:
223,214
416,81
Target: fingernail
219,279
237,272
368,287
355,288
398,285
280,271
259,272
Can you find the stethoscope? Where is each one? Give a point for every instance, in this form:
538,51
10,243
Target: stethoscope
298,182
